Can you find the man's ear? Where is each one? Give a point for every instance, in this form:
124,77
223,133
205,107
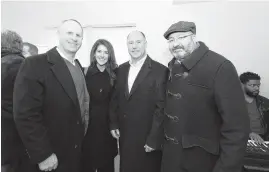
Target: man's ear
194,38
146,44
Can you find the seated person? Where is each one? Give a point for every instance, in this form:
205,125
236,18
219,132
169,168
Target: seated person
258,107
29,49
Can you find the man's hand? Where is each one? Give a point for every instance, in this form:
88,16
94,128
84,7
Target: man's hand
115,133
148,149
49,164
256,138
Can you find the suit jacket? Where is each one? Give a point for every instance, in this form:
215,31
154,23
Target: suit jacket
47,112
263,108
138,115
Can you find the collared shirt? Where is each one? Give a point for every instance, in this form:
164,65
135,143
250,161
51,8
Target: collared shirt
63,56
134,70
256,123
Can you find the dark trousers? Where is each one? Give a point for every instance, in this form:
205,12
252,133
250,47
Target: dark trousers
19,164
109,167
196,159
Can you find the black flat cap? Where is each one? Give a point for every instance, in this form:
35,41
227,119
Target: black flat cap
181,26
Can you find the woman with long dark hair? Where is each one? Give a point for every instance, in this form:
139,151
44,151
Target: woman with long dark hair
99,147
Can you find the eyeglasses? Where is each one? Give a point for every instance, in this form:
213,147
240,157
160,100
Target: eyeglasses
172,40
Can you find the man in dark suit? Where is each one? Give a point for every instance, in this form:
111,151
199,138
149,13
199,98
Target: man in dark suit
206,124
51,104
137,107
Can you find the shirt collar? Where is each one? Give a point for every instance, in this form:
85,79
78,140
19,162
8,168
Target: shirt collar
139,63
63,56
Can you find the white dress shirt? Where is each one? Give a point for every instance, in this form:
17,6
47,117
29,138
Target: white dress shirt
63,56
134,70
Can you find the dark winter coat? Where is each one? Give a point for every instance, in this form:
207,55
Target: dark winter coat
99,147
47,111
206,122
11,145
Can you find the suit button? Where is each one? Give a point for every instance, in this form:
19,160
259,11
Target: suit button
77,122
76,146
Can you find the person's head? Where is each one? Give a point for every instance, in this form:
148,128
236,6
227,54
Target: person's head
70,35
181,38
137,44
11,42
250,83
29,49
102,54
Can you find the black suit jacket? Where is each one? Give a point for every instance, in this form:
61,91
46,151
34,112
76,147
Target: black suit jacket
138,115
263,107
47,112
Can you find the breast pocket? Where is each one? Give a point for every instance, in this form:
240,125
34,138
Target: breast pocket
199,85
198,91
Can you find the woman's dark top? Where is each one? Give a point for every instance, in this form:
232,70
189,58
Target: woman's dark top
99,146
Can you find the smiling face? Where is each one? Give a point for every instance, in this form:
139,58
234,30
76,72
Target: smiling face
70,37
181,44
137,44
101,55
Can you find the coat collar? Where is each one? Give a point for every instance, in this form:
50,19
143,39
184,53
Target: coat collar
195,56
92,70
62,73
144,71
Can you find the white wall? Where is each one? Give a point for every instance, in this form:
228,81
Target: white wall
239,31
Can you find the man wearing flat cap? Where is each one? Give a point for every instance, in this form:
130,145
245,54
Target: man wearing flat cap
205,120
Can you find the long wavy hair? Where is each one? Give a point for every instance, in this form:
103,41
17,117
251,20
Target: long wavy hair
111,64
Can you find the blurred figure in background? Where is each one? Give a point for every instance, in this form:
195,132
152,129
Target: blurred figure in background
29,49
99,147
12,149
258,107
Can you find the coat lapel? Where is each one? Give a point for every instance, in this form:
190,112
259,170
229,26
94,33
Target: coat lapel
126,73
82,69
144,71
62,74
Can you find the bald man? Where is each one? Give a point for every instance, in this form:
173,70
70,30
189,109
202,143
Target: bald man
29,49
137,107
51,104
